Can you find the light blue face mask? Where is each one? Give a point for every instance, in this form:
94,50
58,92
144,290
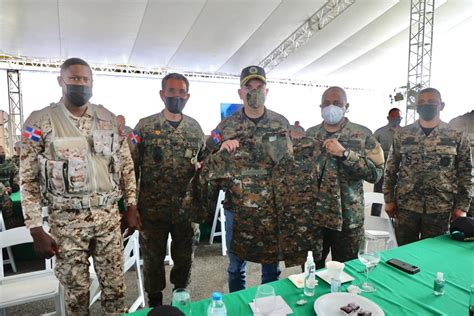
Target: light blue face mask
332,114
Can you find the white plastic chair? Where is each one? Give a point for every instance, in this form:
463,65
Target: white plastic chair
27,287
11,259
131,254
375,226
219,215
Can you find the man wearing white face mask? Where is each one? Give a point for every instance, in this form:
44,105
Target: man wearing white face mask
348,154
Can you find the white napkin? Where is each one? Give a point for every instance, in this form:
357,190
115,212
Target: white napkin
281,307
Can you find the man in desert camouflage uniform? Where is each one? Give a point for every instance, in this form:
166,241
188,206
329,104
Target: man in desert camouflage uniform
428,173
165,147
9,183
73,155
465,123
248,147
347,154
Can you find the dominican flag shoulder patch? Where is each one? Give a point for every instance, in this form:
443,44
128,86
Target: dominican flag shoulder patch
32,133
134,138
216,136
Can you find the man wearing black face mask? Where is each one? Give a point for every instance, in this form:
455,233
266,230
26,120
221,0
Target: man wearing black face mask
73,156
9,183
427,174
384,136
164,148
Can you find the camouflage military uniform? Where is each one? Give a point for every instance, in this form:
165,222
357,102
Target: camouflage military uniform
9,179
384,136
246,175
164,159
465,123
428,177
340,196
82,167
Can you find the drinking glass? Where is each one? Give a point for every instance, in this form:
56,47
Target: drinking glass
182,300
369,255
265,299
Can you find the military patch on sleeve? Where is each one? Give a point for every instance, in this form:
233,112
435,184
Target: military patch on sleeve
134,138
32,133
216,136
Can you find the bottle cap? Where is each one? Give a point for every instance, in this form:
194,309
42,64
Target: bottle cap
439,275
216,296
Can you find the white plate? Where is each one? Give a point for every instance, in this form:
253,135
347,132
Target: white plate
330,304
325,277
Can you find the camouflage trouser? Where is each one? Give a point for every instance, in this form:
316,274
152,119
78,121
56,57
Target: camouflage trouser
153,242
410,225
344,245
104,243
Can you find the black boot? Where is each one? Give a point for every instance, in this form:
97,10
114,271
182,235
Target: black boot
155,300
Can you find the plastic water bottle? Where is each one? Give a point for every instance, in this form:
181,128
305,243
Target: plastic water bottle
217,306
309,275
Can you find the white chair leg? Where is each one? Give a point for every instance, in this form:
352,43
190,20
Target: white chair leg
223,237
11,259
168,257
141,291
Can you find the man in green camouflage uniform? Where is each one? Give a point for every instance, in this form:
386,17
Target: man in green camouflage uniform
251,148
73,155
165,147
465,123
347,154
16,156
9,183
384,136
428,173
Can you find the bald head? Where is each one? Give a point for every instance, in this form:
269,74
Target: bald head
334,92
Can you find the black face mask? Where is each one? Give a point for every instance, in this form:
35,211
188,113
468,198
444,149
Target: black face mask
2,159
175,104
78,95
394,122
427,111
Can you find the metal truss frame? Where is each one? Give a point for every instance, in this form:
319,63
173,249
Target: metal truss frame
325,15
15,103
419,52
44,65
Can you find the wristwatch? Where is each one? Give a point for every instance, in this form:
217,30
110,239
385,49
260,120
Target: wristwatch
345,155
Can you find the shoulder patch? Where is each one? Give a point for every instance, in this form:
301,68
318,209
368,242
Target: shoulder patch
216,136
134,137
32,133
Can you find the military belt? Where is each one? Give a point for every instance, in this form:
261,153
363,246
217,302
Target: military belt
85,203
254,172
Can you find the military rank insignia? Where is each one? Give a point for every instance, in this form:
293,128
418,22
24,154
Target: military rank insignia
32,133
216,136
134,138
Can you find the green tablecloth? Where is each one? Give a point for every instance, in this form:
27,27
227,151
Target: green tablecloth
398,293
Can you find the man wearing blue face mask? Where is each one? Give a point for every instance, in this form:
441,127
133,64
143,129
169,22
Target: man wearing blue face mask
347,155
428,173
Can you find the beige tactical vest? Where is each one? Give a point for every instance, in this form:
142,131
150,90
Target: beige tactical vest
80,171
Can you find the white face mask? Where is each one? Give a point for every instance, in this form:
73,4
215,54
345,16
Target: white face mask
332,114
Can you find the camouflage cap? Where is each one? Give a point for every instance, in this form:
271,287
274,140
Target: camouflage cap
252,72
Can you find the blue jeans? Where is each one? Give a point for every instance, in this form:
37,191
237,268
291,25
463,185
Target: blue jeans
238,268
